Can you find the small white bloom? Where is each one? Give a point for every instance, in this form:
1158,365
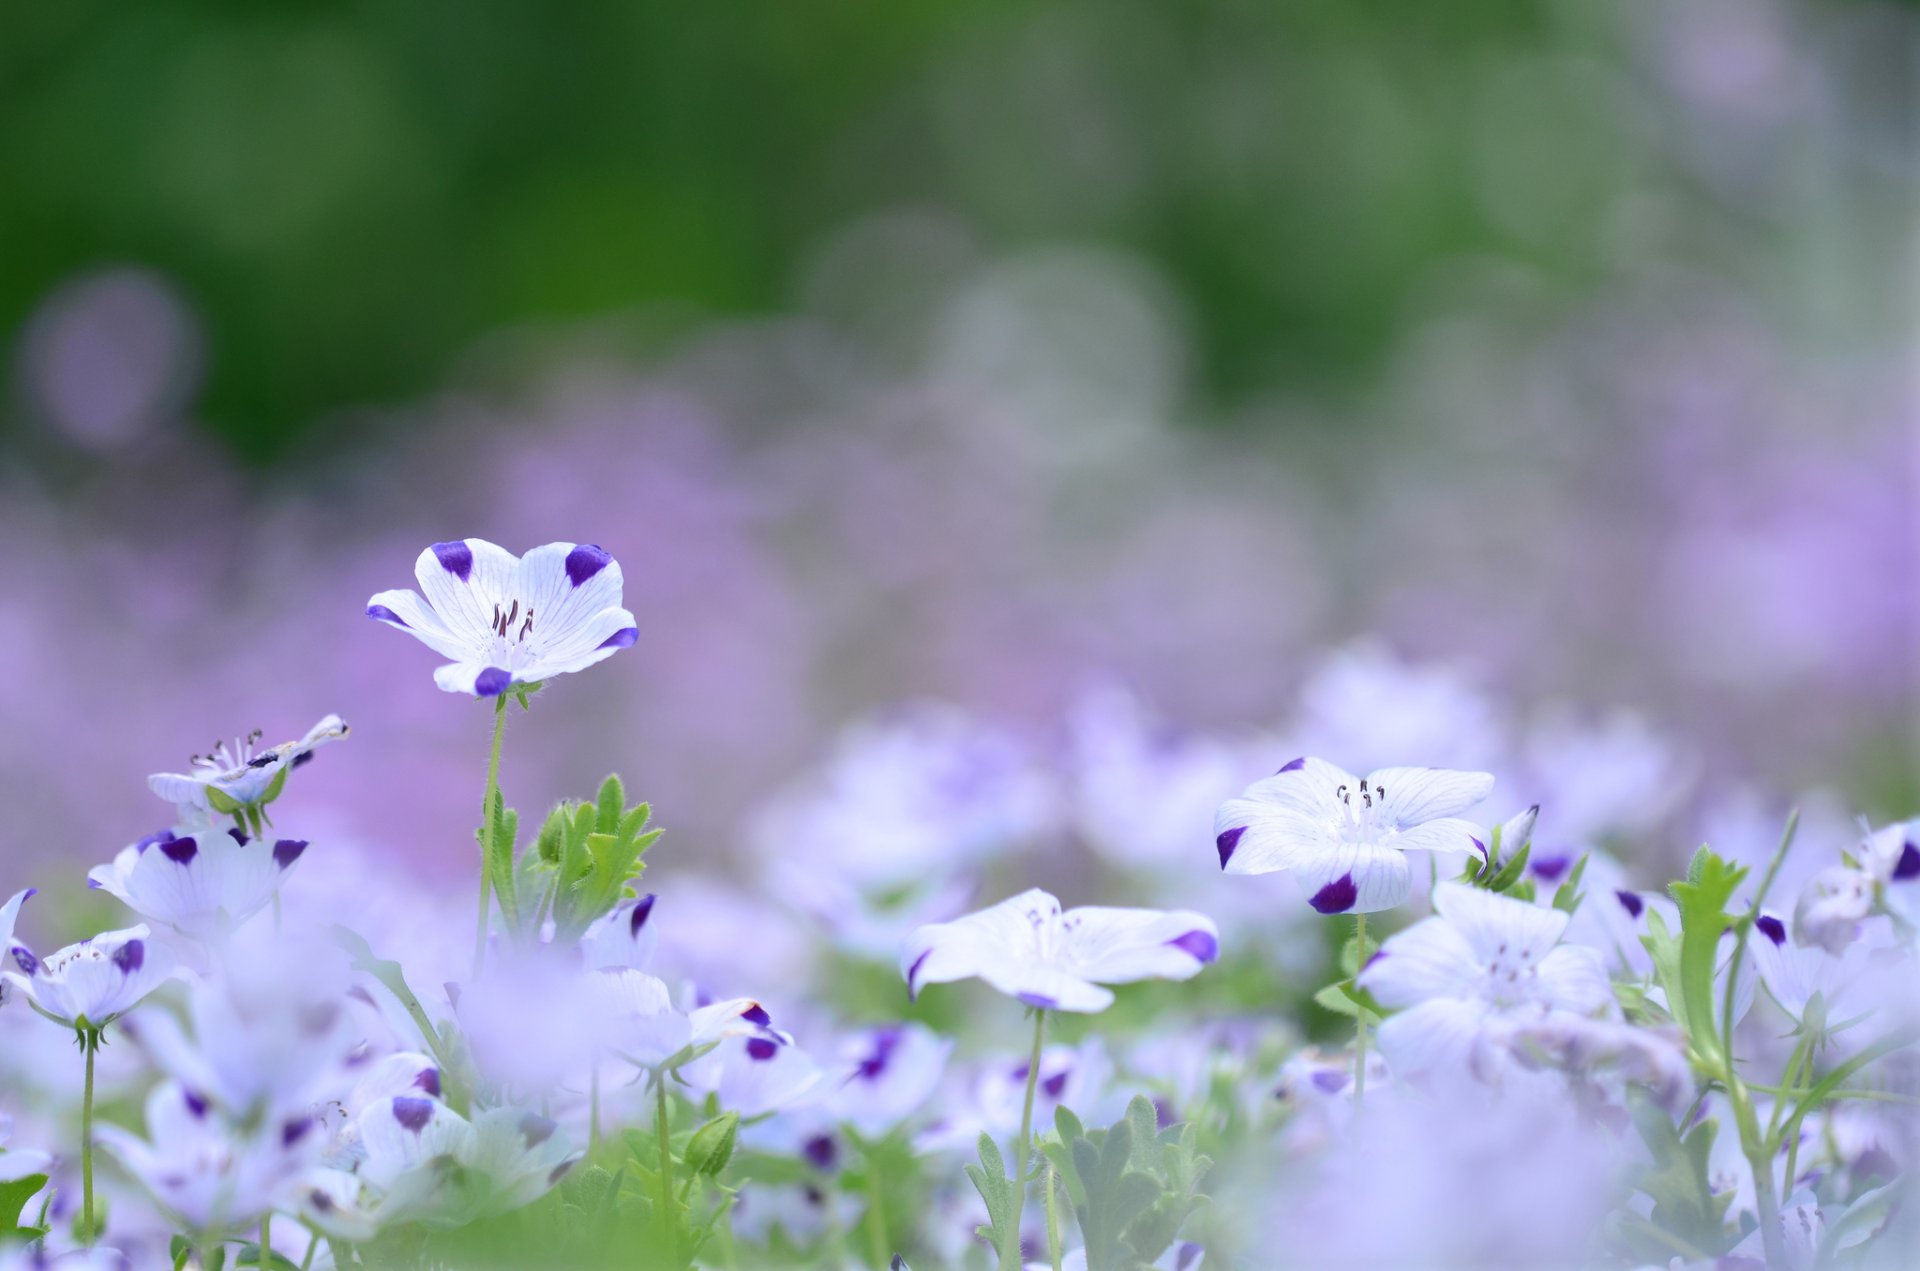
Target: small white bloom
506,620
1027,948
1460,981
236,774
1345,838
91,983
756,1075
202,885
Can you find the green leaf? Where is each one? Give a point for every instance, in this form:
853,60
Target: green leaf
612,803
1684,1203
223,803
1348,999
1702,899
15,1195
1566,898
276,786
1512,872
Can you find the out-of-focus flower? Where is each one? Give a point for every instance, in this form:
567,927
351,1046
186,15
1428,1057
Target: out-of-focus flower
211,1172
989,1098
1345,838
202,885
756,1075
507,620
92,983
1366,704
234,776
1587,1048
18,1163
889,832
621,937
1607,778
1882,875
893,1071
1142,797
424,1162
1027,948
1460,981
1844,982
9,914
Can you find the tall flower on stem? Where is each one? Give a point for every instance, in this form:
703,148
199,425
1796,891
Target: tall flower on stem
86,987
1055,960
509,623
1346,838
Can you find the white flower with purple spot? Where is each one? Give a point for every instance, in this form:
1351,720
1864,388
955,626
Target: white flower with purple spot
203,885
506,621
1346,838
235,776
90,984
1880,877
1460,981
756,1075
424,1162
215,1175
1029,948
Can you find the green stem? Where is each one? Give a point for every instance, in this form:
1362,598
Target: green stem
1360,1020
669,1217
313,1245
266,1241
1052,1202
1010,1250
486,835
593,1104
89,1042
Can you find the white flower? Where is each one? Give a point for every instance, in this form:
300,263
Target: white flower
1831,908
212,1173
9,912
1345,838
755,1075
1027,948
506,620
90,984
1462,980
238,776
425,1162
202,885
1845,982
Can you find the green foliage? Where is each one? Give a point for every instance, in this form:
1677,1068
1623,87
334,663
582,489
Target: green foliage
712,1145
1131,1185
582,864
13,1201
1686,966
1001,1195
1684,1205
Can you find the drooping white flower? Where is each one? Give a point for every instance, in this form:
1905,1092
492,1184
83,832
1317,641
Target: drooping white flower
1345,838
92,983
1462,980
504,620
235,775
1028,948
202,885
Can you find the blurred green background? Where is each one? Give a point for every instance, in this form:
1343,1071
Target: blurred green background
350,194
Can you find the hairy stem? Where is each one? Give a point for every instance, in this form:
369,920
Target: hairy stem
1010,1249
89,1042
486,835
1052,1202
669,1217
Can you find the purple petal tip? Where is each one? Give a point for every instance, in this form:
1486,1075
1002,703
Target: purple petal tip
287,851
1293,765
380,613
131,956
1039,1001
1337,896
456,558
621,639
180,851
412,1113
1201,944
1630,902
1228,842
492,682
1772,928
586,560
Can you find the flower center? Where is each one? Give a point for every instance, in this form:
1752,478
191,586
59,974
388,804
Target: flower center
225,757
509,625
1364,812
1513,976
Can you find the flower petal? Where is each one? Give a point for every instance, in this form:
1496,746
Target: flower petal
1414,795
1429,959
1353,877
1120,946
404,610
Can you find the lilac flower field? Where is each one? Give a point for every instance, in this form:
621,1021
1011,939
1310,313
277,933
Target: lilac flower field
1459,1034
